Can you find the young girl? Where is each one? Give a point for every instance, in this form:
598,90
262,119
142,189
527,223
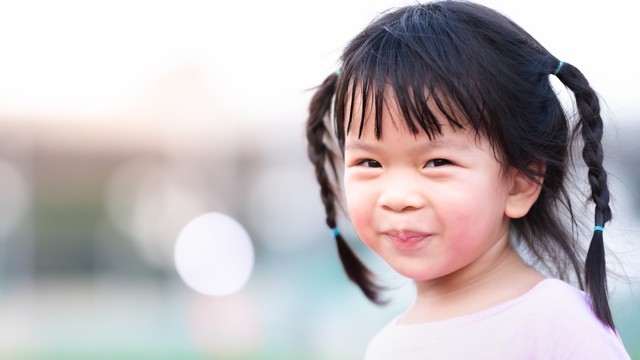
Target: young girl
455,150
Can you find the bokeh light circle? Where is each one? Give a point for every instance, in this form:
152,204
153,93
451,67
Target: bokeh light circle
214,254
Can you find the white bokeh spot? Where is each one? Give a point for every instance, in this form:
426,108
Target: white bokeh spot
214,254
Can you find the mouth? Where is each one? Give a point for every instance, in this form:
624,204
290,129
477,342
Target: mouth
407,240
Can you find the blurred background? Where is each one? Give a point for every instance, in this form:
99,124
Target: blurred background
121,121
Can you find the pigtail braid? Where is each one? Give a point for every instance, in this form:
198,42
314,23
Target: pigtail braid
322,158
591,126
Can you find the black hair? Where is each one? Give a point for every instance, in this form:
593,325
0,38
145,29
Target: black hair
457,57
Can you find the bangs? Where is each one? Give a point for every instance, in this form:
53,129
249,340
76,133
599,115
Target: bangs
422,74
423,104
434,64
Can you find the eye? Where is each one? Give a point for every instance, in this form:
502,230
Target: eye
370,163
437,163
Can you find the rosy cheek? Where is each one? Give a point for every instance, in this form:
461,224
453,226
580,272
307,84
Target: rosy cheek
358,214
356,197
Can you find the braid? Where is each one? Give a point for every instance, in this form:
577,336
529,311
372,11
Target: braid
321,156
590,124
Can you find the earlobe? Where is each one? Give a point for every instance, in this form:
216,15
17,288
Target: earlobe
524,191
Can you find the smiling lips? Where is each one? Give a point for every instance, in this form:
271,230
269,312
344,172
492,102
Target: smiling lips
407,240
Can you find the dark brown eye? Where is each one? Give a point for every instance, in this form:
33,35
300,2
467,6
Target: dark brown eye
370,163
437,162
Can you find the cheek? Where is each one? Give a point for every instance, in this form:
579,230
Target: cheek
355,193
357,200
473,217
467,212
360,203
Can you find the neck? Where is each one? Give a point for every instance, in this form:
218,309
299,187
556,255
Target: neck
471,289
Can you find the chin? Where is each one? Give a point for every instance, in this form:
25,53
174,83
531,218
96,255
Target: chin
415,275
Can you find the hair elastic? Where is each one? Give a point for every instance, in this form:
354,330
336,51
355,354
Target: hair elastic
338,72
558,68
598,228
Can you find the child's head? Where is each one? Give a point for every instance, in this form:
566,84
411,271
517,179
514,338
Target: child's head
461,68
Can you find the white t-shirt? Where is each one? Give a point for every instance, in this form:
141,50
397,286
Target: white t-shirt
551,321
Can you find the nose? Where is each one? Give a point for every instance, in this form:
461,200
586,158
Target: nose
399,196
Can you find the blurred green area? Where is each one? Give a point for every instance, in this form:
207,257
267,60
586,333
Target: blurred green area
78,281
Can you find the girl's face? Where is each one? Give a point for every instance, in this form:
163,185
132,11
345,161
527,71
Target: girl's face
432,209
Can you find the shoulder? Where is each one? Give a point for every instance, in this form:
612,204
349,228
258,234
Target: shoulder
557,301
554,297
561,320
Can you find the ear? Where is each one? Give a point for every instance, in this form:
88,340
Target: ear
524,191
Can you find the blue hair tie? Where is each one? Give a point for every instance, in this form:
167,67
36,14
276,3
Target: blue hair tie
338,72
336,232
558,68
598,228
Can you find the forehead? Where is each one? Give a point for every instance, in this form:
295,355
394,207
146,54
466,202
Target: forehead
398,135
